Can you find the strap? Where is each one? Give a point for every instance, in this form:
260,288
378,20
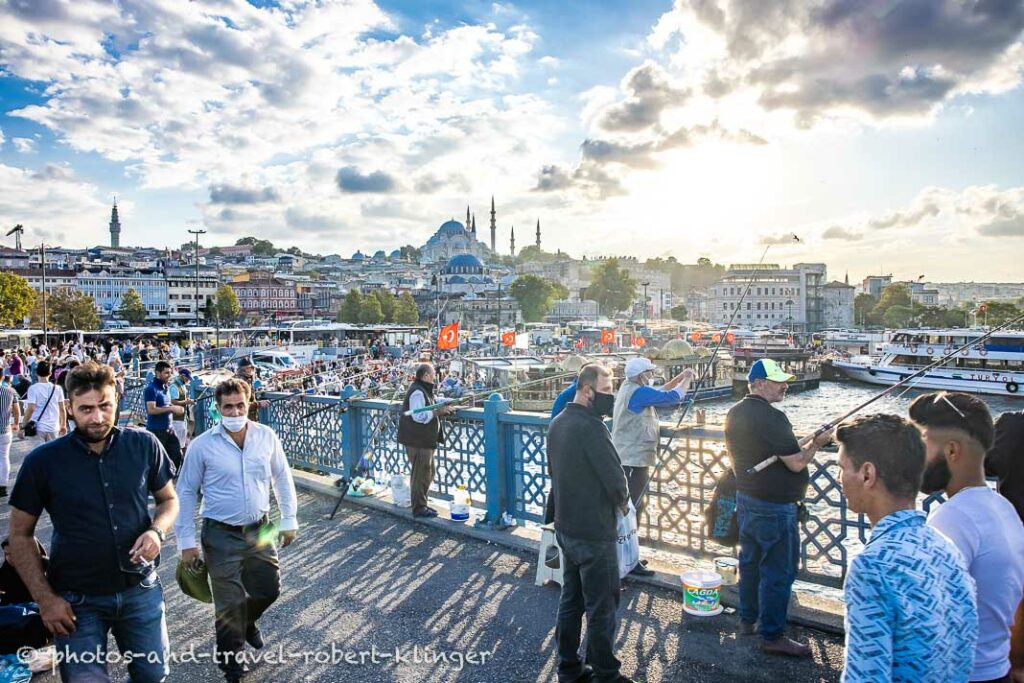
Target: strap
48,399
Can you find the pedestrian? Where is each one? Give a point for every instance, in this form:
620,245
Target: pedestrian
588,486
246,371
420,433
95,483
984,526
235,465
767,505
636,429
44,405
10,414
178,390
160,411
911,611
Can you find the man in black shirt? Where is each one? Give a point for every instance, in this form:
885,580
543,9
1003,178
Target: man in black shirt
95,484
766,504
587,487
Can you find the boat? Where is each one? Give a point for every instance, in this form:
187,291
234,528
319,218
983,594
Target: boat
781,348
993,367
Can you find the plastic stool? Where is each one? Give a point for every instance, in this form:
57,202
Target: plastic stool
544,572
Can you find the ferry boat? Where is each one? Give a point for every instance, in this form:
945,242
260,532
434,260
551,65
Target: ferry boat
994,367
779,347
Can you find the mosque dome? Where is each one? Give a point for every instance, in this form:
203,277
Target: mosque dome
358,256
452,227
465,264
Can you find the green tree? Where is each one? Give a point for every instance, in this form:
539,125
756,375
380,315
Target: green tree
351,308
369,311
997,313
226,308
410,252
893,295
259,247
16,299
132,308
294,251
612,288
678,312
245,241
560,290
897,315
863,306
70,309
406,312
387,303
534,295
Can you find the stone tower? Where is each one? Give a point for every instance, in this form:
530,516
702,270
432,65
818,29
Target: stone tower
115,227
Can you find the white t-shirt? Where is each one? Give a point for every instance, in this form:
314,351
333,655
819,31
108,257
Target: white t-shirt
988,532
48,421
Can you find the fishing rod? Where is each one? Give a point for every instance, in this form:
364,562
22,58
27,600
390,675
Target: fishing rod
475,395
916,375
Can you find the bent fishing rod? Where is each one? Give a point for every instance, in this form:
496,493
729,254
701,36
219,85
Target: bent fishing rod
911,377
477,394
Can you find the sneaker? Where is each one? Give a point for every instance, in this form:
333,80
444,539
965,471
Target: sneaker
254,637
640,570
785,647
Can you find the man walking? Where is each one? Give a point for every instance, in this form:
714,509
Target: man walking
159,411
984,526
587,487
420,433
94,483
636,430
911,615
178,392
10,414
235,465
44,405
246,372
766,505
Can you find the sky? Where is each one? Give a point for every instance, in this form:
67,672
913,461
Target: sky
886,134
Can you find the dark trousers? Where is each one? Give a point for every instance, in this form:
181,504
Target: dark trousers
636,480
769,555
590,585
246,580
169,440
422,461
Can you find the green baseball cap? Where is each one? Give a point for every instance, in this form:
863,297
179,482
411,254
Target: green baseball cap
766,368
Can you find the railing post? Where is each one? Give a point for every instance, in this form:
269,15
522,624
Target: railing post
199,414
350,432
495,463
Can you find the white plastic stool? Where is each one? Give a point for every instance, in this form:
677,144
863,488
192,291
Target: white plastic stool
544,572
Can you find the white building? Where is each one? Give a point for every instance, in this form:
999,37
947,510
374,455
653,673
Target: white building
564,310
181,292
790,298
838,304
107,287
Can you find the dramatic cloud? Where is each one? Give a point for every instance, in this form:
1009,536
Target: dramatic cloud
351,179
648,94
51,204
229,194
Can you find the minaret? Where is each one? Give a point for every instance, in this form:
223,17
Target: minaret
538,233
467,216
115,227
494,229
473,229
512,242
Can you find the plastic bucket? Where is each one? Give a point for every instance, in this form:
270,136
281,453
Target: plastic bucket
729,569
702,592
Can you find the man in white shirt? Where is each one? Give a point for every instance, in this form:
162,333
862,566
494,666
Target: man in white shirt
420,432
235,465
984,526
44,405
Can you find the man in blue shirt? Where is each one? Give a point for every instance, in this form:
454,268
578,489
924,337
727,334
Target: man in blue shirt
911,610
159,410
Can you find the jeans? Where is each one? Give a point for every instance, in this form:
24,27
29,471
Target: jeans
590,584
136,617
769,555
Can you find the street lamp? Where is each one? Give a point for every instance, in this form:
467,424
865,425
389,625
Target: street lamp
645,285
911,288
42,262
197,233
789,303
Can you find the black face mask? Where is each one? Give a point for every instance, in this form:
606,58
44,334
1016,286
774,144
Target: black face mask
428,385
936,476
602,404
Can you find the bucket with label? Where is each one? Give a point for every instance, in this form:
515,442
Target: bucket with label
729,569
702,592
460,505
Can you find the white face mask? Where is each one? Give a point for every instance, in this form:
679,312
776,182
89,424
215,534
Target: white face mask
234,424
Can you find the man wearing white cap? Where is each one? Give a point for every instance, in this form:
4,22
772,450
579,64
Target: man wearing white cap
635,426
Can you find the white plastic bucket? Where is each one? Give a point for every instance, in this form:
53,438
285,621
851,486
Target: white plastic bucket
729,569
401,494
702,592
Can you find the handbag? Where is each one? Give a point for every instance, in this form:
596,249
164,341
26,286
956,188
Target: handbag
31,428
720,516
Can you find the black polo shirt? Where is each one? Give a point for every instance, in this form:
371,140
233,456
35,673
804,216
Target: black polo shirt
98,505
755,431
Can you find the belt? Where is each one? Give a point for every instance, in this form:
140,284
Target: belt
244,528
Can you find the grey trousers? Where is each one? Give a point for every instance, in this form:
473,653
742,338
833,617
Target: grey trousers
422,461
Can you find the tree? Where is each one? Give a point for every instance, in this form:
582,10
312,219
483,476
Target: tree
410,253
294,251
897,316
225,306
215,251
997,313
70,309
351,308
560,290
612,288
534,295
678,312
863,305
369,311
893,295
259,247
387,304
245,241
132,308
16,299
406,312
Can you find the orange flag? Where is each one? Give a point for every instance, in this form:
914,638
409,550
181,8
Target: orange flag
449,337
696,336
508,338
607,336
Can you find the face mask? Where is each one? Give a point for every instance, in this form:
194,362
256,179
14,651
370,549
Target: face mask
234,424
429,386
936,476
602,404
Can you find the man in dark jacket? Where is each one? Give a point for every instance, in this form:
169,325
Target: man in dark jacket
420,433
587,486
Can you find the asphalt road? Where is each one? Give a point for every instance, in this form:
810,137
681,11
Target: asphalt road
373,598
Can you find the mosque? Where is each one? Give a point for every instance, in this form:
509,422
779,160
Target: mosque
455,239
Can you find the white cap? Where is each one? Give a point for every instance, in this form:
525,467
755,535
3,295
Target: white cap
637,365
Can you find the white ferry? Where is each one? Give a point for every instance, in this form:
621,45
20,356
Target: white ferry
994,366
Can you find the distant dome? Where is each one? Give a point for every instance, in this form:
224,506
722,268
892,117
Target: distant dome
677,348
358,256
452,227
464,264
397,253
457,280
379,254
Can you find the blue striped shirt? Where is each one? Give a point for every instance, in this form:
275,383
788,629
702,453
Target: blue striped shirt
7,399
911,612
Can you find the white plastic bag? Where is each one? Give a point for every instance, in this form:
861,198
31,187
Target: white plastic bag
401,494
628,540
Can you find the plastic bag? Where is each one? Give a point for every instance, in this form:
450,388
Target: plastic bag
720,517
628,540
401,493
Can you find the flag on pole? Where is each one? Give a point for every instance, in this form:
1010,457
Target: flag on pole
448,338
608,336
696,336
730,338
508,338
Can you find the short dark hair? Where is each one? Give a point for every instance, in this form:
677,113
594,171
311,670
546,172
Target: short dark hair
589,373
43,368
962,412
231,386
421,371
893,445
161,366
89,377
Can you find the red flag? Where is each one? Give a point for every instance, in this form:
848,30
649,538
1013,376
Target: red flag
730,338
449,337
696,336
715,338
607,336
508,338
639,341
579,343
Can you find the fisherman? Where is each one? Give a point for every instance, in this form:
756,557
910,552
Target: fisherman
767,503
636,428
247,373
420,433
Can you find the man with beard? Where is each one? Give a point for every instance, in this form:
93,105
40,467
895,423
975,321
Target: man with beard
95,483
160,410
958,430
420,433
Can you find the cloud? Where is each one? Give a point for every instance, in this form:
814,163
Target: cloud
351,179
230,194
1013,227
837,232
1,137
648,93
24,145
787,238
53,203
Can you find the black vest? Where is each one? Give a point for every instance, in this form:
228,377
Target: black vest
412,433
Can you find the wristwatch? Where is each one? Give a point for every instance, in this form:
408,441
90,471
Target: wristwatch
157,531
